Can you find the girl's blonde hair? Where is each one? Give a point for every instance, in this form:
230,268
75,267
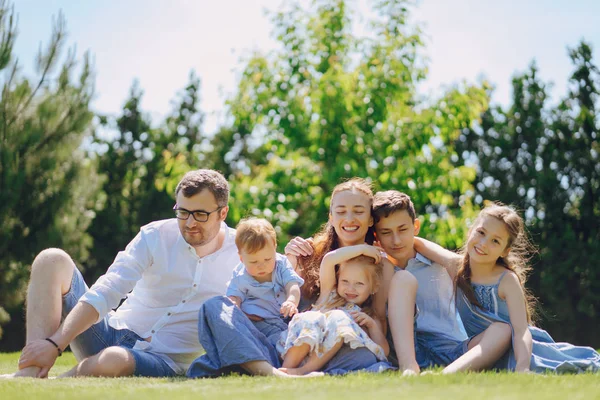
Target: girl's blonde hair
521,250
327,240
374,272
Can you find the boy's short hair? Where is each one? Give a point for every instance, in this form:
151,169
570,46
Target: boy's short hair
252,234
390,201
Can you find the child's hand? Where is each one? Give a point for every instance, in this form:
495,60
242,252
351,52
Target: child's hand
363,319
288,309
373,252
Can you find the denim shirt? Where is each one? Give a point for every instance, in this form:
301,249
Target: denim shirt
435,299
263,299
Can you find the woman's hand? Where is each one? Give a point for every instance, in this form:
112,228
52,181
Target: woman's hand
299,247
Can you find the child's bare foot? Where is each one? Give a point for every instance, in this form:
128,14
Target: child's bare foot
299,373
431,372
409,372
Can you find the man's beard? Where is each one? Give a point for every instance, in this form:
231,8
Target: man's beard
198,239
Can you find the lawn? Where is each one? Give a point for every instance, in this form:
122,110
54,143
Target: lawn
358,386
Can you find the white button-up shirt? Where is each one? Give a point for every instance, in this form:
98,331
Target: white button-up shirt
168,284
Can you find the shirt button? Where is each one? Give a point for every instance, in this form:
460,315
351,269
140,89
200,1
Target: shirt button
169,314
183,301
195,285
153,331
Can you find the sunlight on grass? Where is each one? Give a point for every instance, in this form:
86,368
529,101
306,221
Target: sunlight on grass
358,386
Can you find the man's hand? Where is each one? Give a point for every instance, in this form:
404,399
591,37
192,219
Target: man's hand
288,309
39,353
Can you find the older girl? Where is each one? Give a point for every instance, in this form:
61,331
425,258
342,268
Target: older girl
490,286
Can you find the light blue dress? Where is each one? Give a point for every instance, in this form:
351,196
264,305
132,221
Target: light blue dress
547,355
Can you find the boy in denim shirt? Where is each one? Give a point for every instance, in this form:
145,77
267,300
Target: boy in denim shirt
264,285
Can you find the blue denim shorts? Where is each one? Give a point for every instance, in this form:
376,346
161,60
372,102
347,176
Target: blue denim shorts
101,335
431,349
437,349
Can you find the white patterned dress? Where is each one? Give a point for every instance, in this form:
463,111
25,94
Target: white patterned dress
323,329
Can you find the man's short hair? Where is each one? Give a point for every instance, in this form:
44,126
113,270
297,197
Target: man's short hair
253,234
196,181
390,201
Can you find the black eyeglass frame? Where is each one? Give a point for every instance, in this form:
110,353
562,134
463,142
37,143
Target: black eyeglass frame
195,213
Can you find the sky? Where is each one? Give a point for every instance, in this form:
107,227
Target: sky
159,42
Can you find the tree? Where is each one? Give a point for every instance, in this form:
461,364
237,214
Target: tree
142,165
572,287
544,160
47,186
330,105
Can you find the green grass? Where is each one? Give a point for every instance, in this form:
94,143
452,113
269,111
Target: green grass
483,386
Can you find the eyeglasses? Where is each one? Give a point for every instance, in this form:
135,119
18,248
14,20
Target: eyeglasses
199,215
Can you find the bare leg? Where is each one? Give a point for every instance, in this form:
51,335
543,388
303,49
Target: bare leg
295,355
314,362
484,349
51,275
401,315
111,362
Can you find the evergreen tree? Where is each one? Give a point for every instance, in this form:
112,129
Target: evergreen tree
47,186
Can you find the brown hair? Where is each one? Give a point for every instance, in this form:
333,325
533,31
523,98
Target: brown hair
327,240
517,260
196,181
253,234
390,201
374,272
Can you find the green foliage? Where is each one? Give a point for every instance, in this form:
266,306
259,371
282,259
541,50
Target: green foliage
142,166
47,185
544,160
325,106
330,105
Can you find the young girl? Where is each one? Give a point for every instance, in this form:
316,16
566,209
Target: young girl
345,305
490,277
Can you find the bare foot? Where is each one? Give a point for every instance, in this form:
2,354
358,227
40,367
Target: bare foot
298,373
30,372
409,372
431,372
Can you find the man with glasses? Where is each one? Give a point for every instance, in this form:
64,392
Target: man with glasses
166,272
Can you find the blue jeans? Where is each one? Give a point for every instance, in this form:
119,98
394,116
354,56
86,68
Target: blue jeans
431,349
231,339
101,335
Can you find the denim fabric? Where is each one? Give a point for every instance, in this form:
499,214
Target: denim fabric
101,335
547,355
272,328
231,339
263,299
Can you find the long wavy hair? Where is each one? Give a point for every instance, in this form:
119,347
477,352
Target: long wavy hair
521,250
326,240
374,272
